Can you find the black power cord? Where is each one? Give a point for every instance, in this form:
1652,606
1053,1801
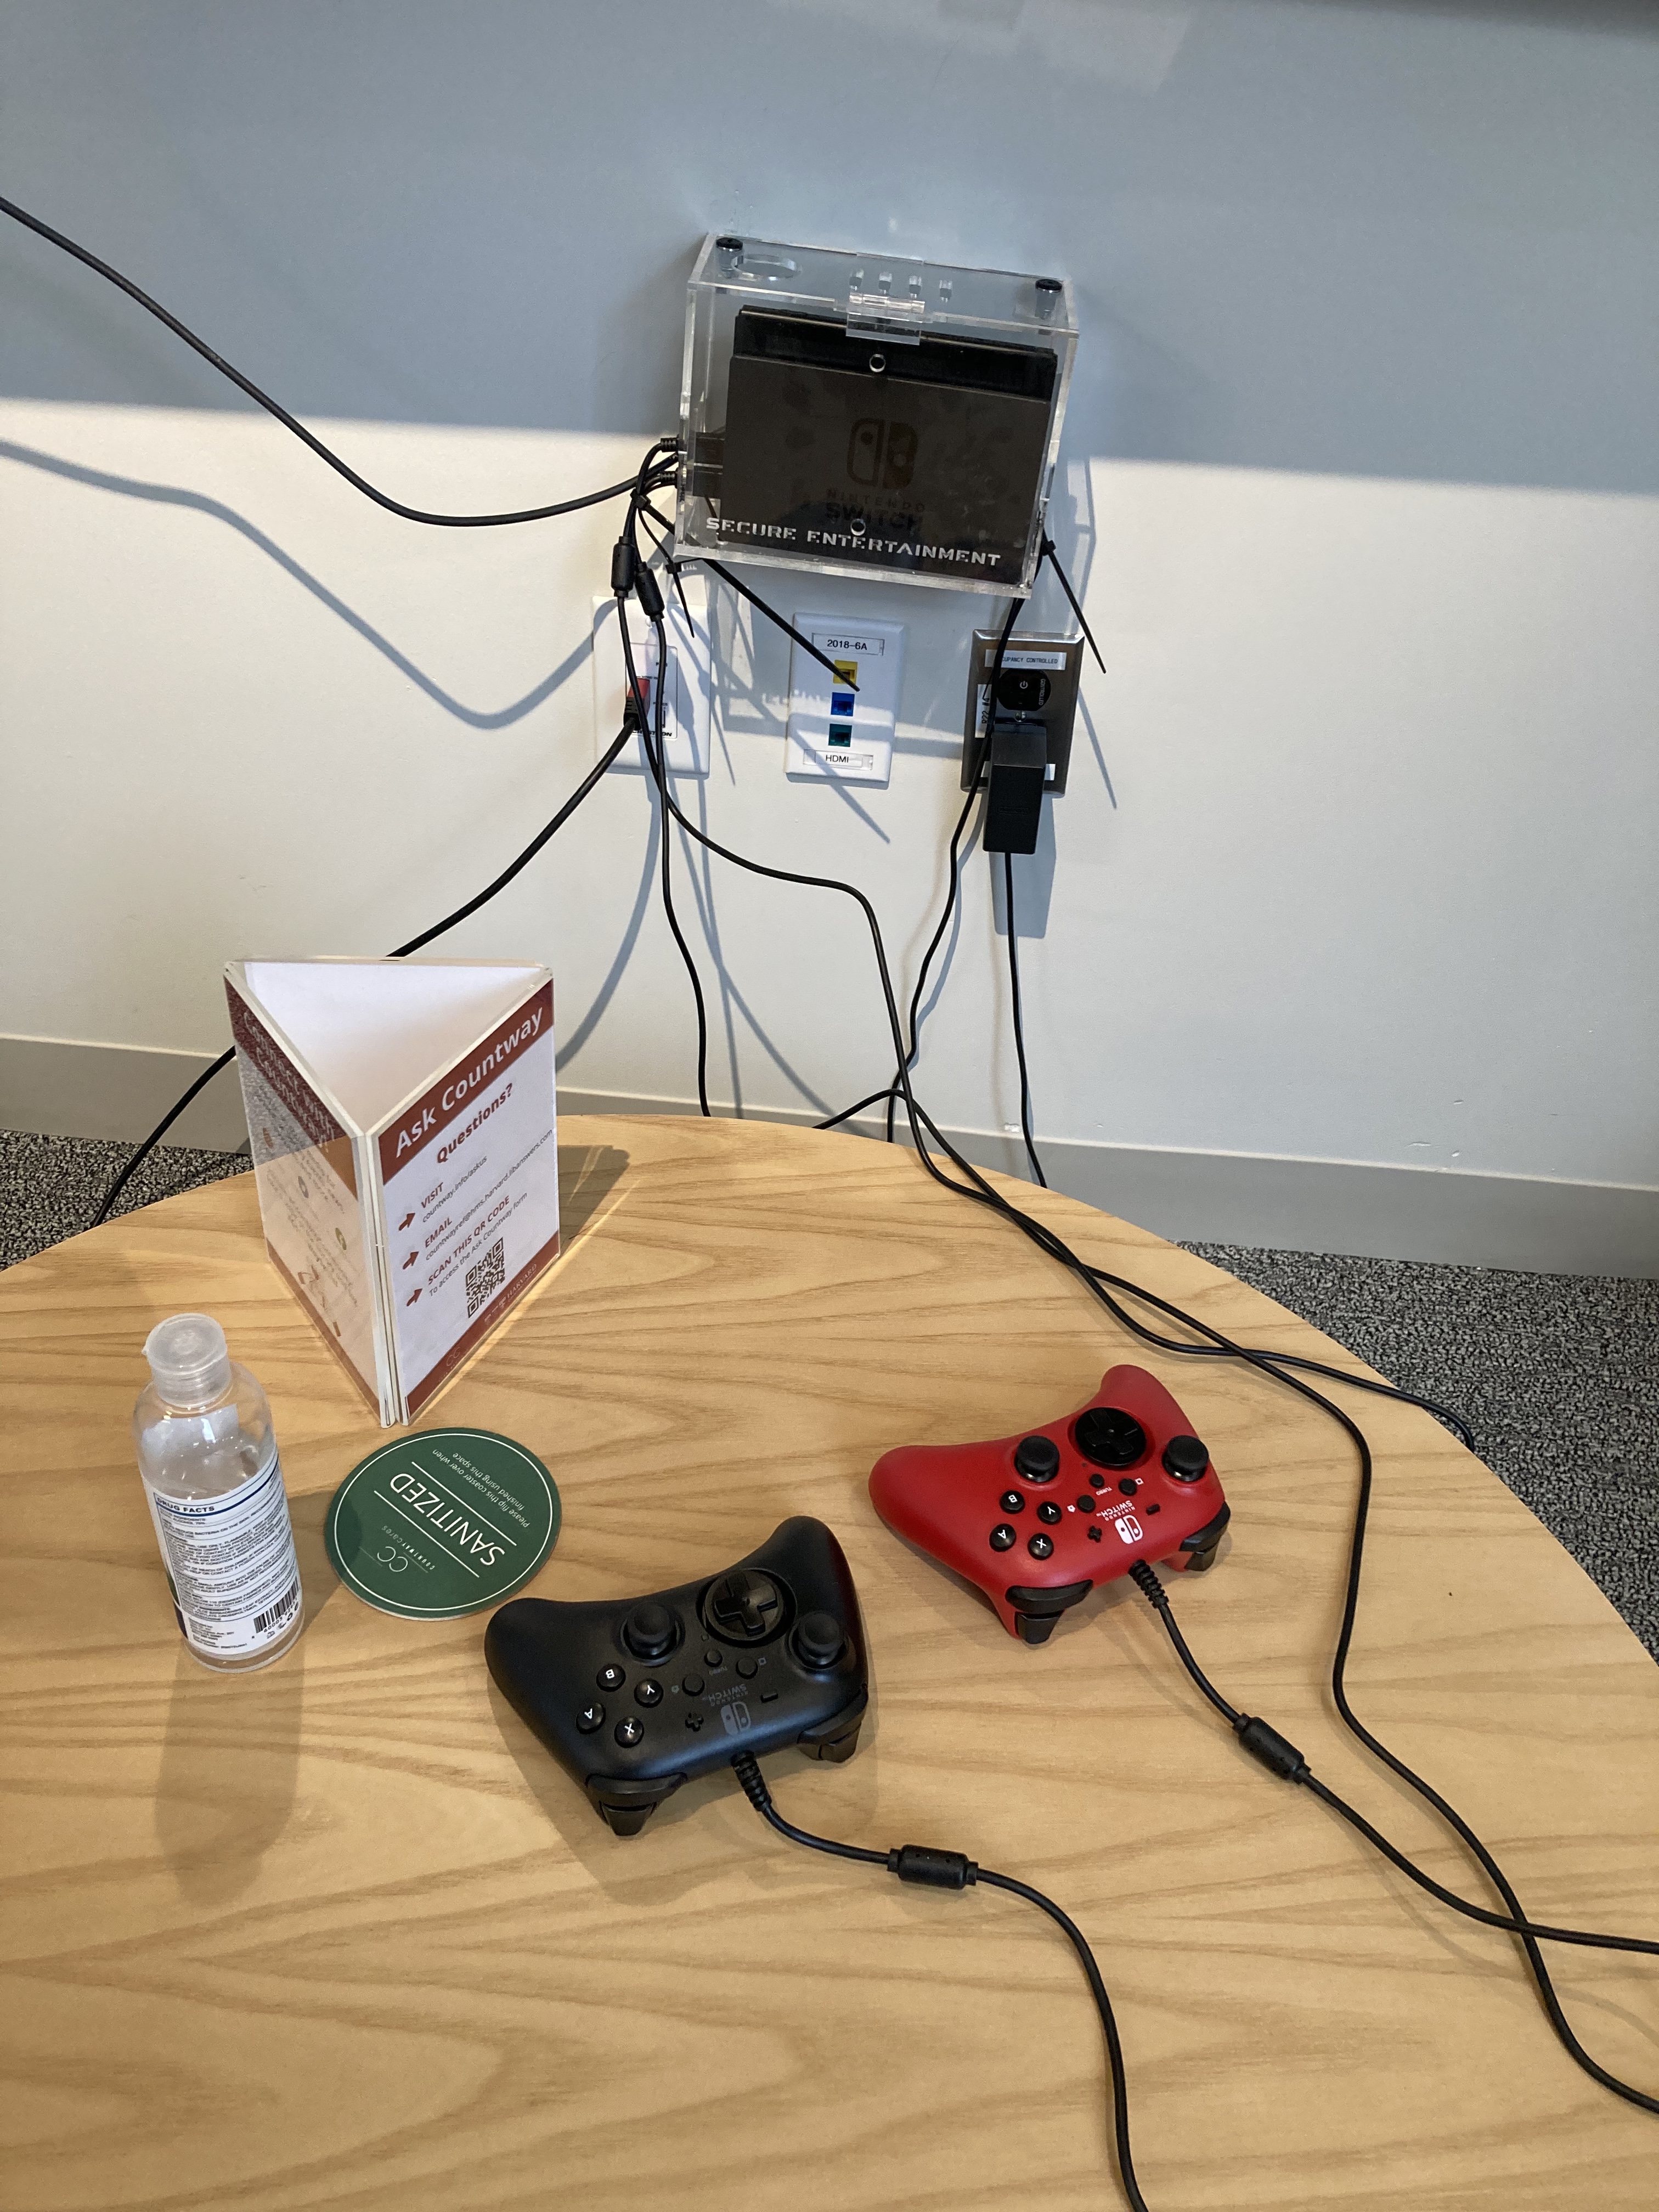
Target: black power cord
1019,1022
398,953
1281,1757
937,1870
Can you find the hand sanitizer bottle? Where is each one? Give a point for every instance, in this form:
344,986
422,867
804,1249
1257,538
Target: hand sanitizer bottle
208,1455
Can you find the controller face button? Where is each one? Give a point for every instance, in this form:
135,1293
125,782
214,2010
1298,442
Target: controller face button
745,1606
1012,1501
629,1731
713,1658
1128,1486
1185,1458
746,1667
817,1639
1098,1482
1037,1458
1001,1537
692,1686
1086,1502
1040,1546
648,1693
1109,1437
590,1717
1049,1511
1094,1532
650,1631
1153,1508
610,1678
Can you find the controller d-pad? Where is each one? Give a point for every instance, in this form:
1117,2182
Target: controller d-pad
745,1608
1109,1437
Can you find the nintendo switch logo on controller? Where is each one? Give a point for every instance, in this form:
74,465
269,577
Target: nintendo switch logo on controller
1037,1519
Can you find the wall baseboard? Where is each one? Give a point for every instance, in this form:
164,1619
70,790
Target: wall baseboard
1375,1212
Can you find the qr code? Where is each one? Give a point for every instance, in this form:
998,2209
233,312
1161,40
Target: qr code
487,1278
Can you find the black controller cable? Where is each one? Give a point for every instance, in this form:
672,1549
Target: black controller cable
937,1869
1101,1285
400,953
288,423
1280,1757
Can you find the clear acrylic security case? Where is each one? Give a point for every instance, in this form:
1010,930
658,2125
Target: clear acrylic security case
848,484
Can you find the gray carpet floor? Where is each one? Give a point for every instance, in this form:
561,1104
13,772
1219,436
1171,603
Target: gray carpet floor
1557,1375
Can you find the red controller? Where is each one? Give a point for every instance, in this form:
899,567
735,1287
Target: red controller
1038,1518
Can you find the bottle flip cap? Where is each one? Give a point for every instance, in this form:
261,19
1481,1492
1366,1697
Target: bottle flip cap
188,1358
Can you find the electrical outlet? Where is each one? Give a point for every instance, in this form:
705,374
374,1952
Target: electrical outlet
838,733
686,695
1039,684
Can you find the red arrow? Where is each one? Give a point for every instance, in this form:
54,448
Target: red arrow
413,1295
405,1222
412,1258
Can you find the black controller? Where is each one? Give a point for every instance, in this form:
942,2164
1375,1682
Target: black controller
634,1696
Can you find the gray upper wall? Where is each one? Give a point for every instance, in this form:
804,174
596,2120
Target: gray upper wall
1415,240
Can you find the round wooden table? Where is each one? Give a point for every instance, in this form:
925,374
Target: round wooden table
340,1934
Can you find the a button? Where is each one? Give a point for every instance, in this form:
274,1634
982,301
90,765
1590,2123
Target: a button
1049,1511
1037,1458
648,1693
1098,1482
1153,1508
1001,1536
590,1717
711,1658
629,1731
1185,1458
610,1678
692,1686
1128,1486
694,1721
768,1697
1012,1501
1040,1546
746,1667
1094,1532
744,1607
1109,1437
650,1632
1086,1502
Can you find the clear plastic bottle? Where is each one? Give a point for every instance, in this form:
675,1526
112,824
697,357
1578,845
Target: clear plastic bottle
208,1455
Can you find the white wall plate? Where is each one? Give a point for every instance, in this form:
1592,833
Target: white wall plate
686,702
837,733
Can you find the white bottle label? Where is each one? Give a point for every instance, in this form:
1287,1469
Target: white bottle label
230,1560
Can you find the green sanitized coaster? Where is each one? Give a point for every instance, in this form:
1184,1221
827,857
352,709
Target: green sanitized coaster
442,1523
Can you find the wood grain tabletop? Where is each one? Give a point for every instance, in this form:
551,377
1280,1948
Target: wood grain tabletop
340,1934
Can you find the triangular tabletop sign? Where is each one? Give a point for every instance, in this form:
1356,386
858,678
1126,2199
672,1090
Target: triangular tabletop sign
402,1119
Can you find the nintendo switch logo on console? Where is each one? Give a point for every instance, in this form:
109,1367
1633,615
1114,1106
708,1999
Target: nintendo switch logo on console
734,1719
881,454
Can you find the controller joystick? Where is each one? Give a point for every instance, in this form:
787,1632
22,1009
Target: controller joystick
649,1631
590,1680
960,1503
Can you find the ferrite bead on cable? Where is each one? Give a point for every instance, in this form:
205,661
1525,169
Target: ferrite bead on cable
648,591
937,1869
1275,1752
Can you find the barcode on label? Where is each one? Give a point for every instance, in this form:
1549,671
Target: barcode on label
487,1278
280,1611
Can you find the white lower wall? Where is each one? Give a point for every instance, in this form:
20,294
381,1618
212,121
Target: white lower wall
1357,862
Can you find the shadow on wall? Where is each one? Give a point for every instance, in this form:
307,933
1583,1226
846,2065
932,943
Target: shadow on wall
1352,238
